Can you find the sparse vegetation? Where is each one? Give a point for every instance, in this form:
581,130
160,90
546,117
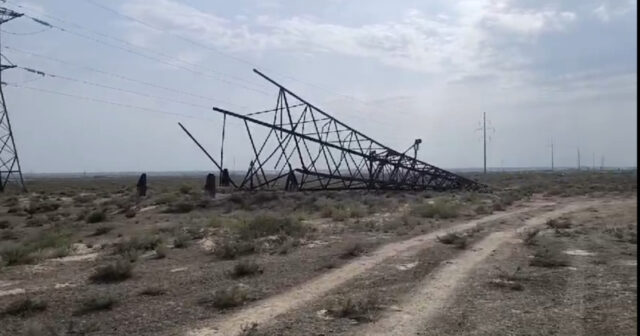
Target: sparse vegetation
40,207
529,236
28,252
138,243
5,224
161,252
230,249
455,239
96,217
357,308
245,268
153,291
181,240
25,307
549,257
352,250
101,230
226,298
117,271
437,208
96,304
17,255
267,225
559,223
179,207
185,189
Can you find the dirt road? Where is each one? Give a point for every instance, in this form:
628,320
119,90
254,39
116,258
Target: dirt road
435,290
264,312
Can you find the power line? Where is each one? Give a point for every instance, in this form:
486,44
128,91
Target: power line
82,81
132,51
26,33
79,26
99,41
122,77
235,58
104,101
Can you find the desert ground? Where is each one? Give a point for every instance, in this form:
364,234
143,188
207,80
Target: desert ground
543,253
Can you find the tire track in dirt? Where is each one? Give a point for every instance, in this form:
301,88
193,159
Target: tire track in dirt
435,290
263,312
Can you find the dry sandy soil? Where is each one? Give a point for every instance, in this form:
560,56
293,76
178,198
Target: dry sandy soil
543,254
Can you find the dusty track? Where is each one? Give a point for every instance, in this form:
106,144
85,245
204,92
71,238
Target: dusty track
265,311
433,293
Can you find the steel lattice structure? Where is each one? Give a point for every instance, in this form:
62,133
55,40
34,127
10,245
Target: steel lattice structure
9,162
308,149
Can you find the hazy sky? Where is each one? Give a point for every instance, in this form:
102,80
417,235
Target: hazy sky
395,70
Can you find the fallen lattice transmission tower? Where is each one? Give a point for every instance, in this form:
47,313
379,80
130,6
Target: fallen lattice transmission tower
305,148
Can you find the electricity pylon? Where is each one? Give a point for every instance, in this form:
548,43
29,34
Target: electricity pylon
9,162
483,128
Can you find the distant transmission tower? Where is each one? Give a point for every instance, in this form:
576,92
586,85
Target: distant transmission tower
483,128
9,162
578,158
552,165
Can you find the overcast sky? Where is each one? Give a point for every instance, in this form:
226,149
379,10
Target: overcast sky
561,71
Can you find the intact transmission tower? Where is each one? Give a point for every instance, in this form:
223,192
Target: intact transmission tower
483,128
552,164
9,162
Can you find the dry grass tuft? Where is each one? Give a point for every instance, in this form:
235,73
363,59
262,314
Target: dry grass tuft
549,257
153,291
245,268
357,308
455,239
438,208
117,271
231,249
226,298
96,217
352,250
95,304
25,307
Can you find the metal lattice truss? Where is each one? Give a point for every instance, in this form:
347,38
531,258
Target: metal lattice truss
308,149
9,163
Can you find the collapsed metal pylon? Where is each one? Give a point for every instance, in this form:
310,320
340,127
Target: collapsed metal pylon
311,150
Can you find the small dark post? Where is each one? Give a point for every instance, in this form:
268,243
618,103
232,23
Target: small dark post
142,185
251,175
225,179
210,185
292,182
